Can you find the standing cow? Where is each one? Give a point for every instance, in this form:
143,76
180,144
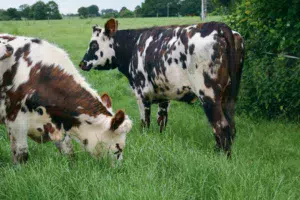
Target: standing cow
42,95
181,63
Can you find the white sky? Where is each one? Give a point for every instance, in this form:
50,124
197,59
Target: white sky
71,6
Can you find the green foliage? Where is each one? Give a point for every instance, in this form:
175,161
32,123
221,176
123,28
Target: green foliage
25,11
125,12
83,12
270,84
53,11
109,13
93,11
38,11
13,14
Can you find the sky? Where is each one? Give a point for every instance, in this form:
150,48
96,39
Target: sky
71,6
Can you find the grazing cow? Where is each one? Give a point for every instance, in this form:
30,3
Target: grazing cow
44,96
181,63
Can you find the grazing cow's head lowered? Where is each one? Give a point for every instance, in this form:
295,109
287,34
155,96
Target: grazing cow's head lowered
100,53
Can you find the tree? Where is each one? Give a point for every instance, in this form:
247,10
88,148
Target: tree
25,11
3,15
53,11
151,8
109,13
83,12
13,14
93,10
125,12
138,11
39,10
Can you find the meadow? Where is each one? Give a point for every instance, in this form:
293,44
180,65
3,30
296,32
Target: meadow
177,164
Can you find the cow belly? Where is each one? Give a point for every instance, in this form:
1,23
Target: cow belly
174,86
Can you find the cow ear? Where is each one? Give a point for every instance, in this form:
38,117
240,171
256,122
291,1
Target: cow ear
95,28
117,120
106,100
6,51
111,27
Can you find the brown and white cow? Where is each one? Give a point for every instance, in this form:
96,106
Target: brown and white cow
181,63
44,96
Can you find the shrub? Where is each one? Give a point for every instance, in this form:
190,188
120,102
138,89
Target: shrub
271,81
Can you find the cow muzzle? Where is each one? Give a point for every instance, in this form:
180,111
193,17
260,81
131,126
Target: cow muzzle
83,65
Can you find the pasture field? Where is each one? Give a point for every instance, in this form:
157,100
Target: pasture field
178,164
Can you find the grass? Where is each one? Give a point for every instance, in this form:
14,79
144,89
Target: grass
178,164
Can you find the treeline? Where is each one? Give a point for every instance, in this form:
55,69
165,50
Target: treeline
37,11
161,8
93,11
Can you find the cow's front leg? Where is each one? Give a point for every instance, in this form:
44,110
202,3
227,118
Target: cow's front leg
162,114
66,146
145,111
17,131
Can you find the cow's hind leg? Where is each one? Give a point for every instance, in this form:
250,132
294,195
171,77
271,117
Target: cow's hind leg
222,130
228,106
145,111
162,114
17,131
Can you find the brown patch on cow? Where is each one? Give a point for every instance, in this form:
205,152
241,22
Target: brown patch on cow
48,128
66,96
25,51
8,38
8,53
117,120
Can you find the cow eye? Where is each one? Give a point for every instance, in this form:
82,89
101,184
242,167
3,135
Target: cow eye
94,46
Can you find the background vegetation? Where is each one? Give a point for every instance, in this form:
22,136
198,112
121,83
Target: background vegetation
178,164
271,78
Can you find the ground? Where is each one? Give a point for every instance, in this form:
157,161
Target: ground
178,164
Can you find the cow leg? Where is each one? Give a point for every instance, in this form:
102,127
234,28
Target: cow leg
66,146
228,106
145,112
17,131
162,115
222,129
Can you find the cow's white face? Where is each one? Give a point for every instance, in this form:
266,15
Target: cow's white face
100,53
104,136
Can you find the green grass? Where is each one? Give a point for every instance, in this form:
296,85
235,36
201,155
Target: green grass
178,164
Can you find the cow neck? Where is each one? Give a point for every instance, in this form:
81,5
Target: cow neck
125,42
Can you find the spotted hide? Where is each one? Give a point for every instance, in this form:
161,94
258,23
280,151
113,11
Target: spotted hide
182,63
44,96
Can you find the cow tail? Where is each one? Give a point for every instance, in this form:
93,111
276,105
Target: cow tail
231,53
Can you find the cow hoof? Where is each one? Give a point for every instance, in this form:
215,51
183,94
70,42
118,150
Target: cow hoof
21,157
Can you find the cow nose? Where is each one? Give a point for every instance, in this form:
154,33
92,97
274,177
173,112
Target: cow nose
82,64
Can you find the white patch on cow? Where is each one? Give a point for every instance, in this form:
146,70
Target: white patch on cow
100,139
202,58
2,50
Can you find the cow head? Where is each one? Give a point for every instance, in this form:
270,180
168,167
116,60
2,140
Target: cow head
5,51
105,135
101,53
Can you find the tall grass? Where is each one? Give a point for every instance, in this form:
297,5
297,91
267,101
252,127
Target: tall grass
178,164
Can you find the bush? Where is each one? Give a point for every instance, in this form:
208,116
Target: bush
271,81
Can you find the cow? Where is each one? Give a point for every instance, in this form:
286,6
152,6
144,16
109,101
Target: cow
182,63
43,96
